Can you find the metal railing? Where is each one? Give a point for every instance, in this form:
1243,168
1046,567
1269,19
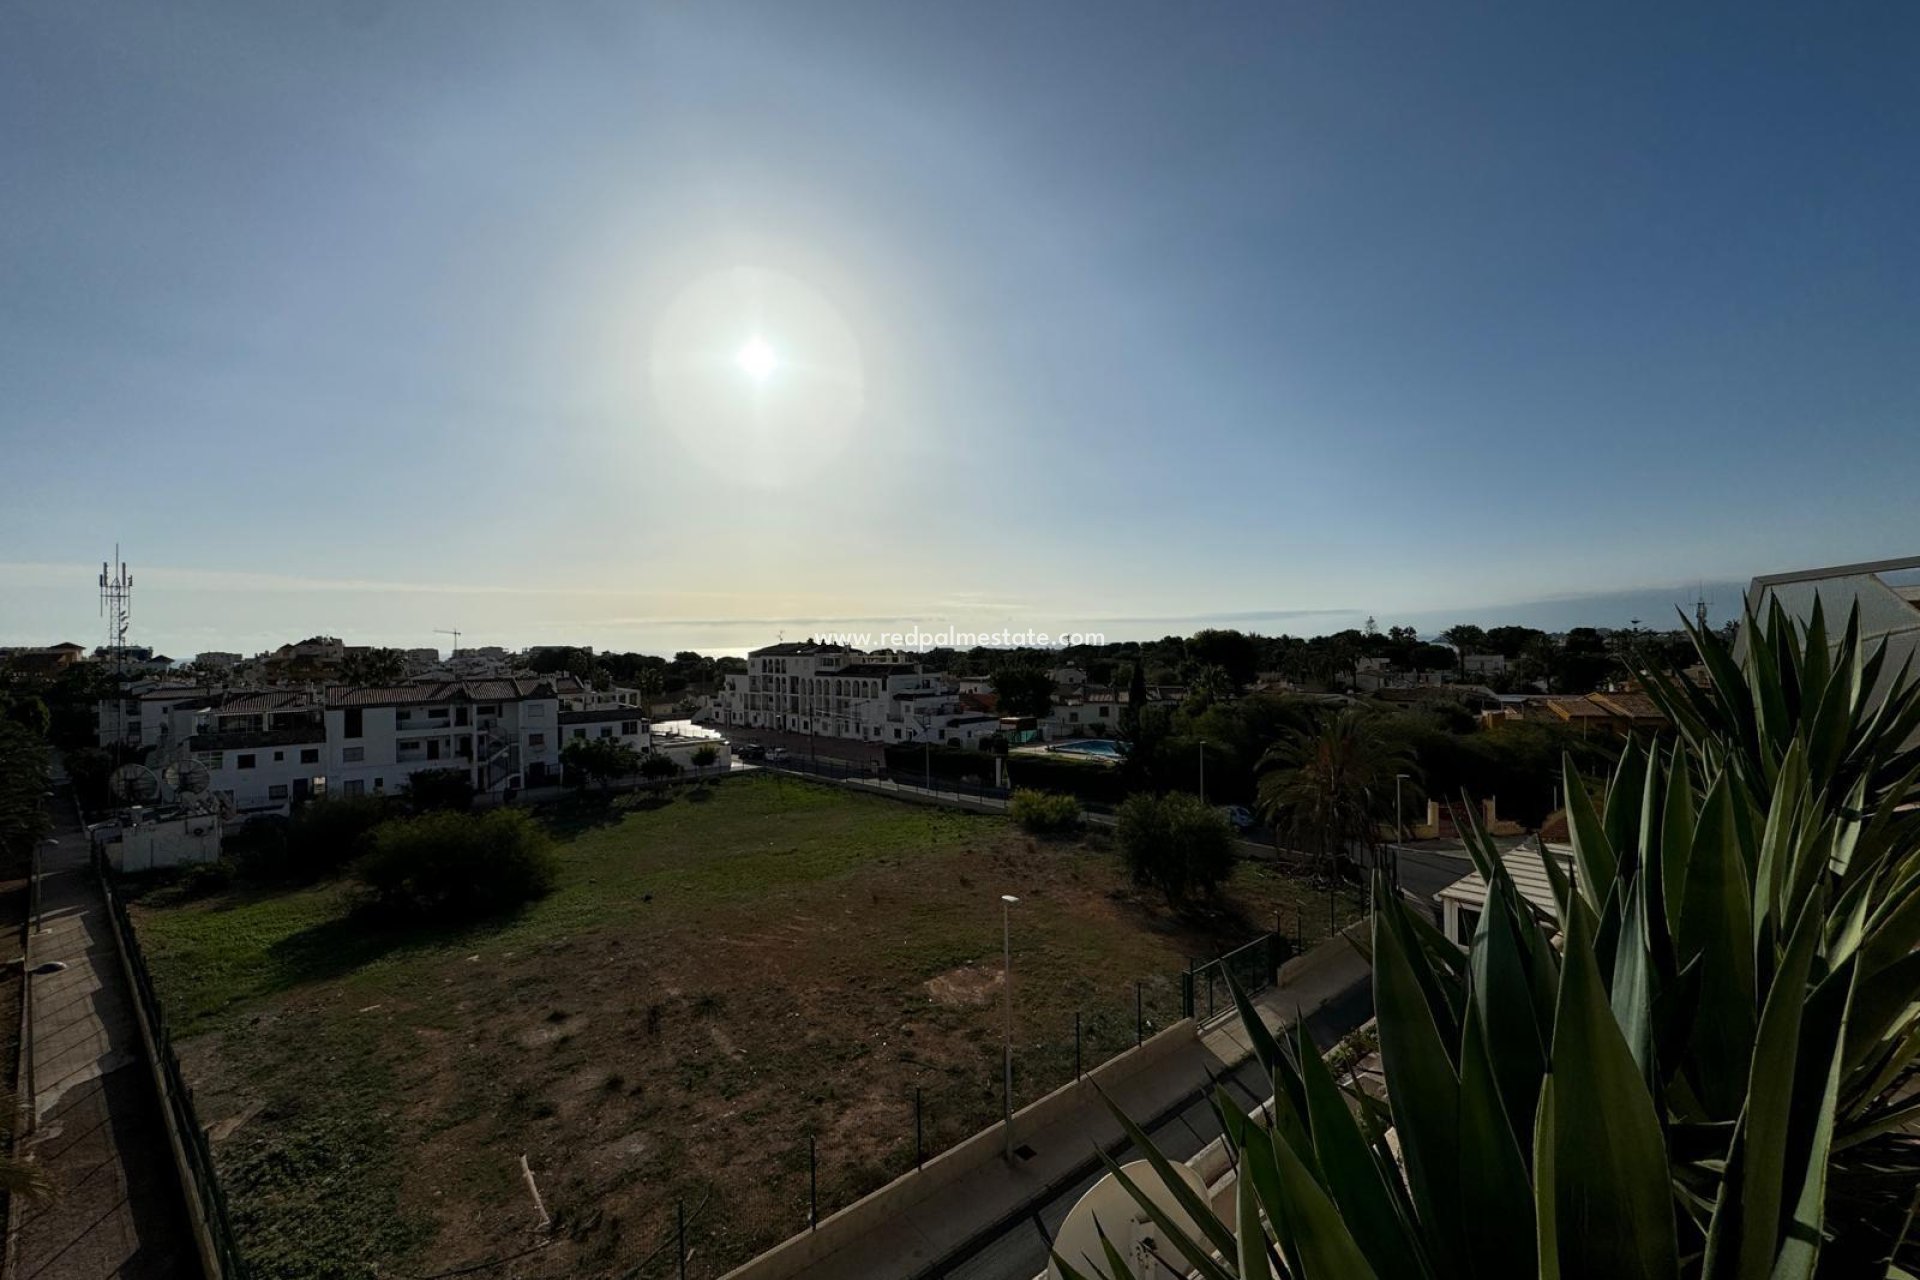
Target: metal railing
220,1251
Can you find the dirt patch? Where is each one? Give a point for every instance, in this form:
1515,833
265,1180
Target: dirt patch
969,984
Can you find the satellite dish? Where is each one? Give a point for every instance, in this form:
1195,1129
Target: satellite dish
189,776
133,783
1115,1211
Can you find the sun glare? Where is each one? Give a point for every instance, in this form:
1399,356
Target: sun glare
757,360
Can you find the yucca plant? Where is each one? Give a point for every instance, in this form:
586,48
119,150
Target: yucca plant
1702,1065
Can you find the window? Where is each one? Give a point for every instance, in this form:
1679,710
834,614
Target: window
630,727
379,785
536,711
355,787
243,762
277,792
309,755
352,729
606,731
352,755
536,741
579,733
279,756
489,711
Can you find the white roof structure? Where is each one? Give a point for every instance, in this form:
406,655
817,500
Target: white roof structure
1886,592
1523,864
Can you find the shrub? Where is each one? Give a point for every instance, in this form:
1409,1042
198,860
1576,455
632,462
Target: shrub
457,866
1043,813
1175,844
704,757
324,837
656,767
601,759
430,789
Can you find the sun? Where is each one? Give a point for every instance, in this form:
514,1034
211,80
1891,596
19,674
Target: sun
757,360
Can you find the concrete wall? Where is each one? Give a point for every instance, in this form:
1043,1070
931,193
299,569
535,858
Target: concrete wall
800,1254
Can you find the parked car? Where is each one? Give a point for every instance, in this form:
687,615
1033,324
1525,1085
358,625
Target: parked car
1238,815
749,751
776,753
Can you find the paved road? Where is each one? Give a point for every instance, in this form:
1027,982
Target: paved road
117,1211
1019,1250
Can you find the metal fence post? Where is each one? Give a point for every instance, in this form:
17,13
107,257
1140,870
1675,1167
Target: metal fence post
680,1218
919,1149
813,1184
1139,1019
1076,1044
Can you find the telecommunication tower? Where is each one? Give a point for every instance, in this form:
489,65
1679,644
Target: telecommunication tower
116,606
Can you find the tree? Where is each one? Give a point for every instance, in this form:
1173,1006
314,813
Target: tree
656,766
602,760
450,867
1175,843
1023,691
1466,639
1682,1069
450,789
1136,699
373,667
1326,789
704,756
1234,652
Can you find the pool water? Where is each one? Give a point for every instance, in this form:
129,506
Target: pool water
1105,748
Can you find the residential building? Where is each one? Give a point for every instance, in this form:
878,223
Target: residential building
504,733
834,691
217,660
627,724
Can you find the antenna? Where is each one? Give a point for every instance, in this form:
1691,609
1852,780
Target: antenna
116,606
449,631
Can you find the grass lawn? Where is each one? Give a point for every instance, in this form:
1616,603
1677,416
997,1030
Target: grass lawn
716,976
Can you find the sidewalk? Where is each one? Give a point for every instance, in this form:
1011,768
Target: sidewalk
921,1236
97,1132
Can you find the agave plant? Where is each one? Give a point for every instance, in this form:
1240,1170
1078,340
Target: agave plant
1701,1065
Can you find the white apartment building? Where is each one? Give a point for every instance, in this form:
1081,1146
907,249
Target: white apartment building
263,750
627,724
505,733
838,692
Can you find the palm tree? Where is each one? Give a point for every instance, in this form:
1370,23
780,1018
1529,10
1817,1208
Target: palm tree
1326,788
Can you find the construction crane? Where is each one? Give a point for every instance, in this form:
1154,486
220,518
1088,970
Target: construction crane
448,631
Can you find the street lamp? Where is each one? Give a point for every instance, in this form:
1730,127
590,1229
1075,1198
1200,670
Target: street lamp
1006,958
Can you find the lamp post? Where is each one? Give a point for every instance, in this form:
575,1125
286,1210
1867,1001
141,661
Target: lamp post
1006,958
1399,830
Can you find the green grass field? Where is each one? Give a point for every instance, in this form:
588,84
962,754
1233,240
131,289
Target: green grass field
716,975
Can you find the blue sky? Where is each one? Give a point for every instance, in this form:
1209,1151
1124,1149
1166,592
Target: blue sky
371,318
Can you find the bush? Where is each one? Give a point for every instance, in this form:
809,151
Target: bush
1043,813
705,757
656,767
451,867
325,837
1175,844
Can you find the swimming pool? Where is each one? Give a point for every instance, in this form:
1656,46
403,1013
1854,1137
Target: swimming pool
1105,748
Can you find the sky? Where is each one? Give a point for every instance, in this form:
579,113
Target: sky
666,325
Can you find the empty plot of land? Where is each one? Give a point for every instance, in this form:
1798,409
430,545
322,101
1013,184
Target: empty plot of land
718,976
